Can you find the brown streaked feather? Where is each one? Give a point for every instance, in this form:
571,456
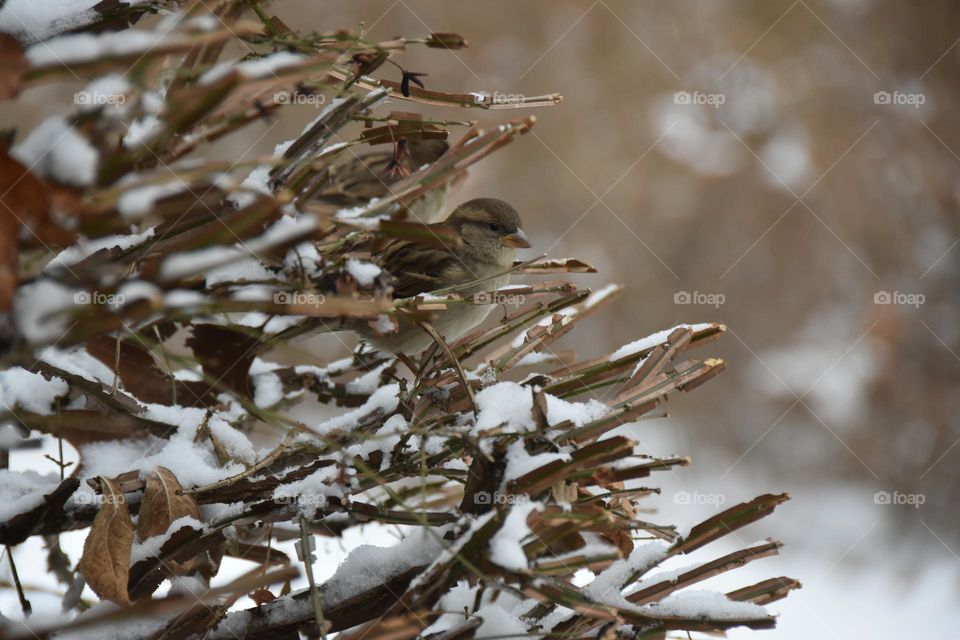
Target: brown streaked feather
418,268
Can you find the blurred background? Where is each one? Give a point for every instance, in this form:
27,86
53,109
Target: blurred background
786,168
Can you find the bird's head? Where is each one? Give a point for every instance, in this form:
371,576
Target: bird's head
489,227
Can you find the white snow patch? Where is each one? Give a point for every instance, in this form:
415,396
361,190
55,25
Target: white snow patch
365,273
653,340
55,150
34,20
78,362
257,68
139,201
368,566
383,399
506,546
705,604
82,47
41,310
22,491
85,248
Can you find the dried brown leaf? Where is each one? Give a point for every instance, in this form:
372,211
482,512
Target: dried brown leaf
105,563
163,503
13,67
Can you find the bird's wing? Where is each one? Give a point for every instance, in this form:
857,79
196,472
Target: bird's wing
419,268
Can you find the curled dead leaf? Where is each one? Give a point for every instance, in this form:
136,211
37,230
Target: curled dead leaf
105,563
163,503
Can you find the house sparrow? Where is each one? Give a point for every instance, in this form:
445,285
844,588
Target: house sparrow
489,230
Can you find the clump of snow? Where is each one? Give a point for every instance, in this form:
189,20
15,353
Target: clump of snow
600,295
192,461
141,130
139,201
21,491
133,290
181,265
311,493
184,298
258,68
704,604
506,546
606,586
499,612
255,292
41,310
284,230
537,357
365,273
268,389
107,92
78,362
34,20
579,413
30,391
368,566
306,256
504,403
498,622
248,269
55,150
368,382
383,399
384,324
653,340
150,547
234,443
274,324
508,403
82,47
384,440
85,248
459,599
519,462
356,214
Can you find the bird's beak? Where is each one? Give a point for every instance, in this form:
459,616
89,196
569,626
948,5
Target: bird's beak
517,239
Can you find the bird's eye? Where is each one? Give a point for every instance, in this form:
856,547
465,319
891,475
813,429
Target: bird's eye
494,226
